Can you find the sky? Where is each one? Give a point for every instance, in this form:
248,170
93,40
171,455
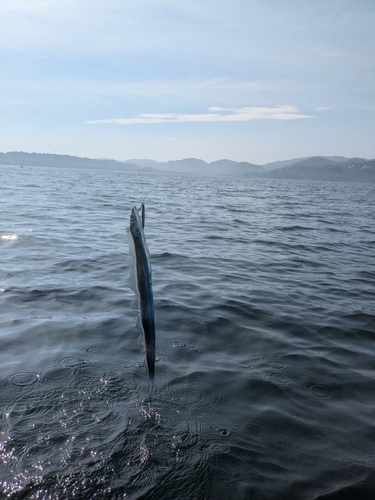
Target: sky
246,80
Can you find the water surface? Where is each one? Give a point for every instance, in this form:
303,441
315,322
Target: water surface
265,315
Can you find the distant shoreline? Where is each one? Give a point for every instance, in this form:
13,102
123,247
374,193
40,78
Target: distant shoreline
319,168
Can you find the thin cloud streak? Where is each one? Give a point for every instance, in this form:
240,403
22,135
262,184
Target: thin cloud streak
216,114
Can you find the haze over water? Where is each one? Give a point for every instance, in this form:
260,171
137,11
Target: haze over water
265,322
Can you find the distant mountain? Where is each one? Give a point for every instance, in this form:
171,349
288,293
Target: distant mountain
323,169
234,167
282,163
188,165
53,160
196,166
315,161
332,168
144,163
338,159
286,163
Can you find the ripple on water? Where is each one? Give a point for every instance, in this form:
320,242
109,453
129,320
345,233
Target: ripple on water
194,391
250,361
277,364
315,389
187,347
71,362
117,385
95,349
128,364
23,379
261,433
245,364
280,379
362,441
320,390
255,357
57,374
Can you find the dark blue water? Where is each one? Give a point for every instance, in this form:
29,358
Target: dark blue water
265,312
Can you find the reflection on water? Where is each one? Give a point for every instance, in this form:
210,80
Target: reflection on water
264,297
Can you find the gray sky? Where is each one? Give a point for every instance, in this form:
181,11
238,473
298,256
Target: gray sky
248,80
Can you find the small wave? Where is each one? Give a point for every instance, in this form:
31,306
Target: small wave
295,228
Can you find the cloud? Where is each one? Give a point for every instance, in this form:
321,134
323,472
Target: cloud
321,108
215,114
334,54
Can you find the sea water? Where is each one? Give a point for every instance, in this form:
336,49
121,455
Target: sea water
265,325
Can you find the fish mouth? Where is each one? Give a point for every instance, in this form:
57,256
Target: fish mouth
135,222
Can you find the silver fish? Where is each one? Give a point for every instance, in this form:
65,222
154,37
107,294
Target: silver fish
141,283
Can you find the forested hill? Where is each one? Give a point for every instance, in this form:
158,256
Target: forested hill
322,169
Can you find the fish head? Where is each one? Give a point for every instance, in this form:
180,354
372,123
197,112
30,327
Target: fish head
135,223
